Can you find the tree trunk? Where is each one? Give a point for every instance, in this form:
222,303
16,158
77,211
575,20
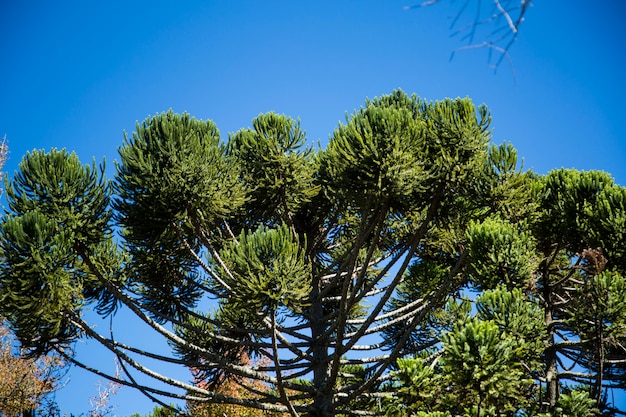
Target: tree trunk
552,381
597,388
323,396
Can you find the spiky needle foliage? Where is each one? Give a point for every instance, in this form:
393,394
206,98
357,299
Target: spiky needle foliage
263,261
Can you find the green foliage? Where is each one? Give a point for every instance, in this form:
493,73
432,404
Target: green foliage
608,220
279,174
581,210
56,185
576,403
481,364
267,270
173,166
418,383
398,149
174,177
484,361
601,307
502,184
59,211
375,155
551,282
274,266
520,317
500,253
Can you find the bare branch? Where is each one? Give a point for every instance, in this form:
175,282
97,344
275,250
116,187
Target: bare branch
500,37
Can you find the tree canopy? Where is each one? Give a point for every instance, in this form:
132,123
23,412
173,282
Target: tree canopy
409,267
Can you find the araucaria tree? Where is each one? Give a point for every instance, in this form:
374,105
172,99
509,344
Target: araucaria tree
317,279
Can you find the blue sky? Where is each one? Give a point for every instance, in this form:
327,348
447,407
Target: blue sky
76,74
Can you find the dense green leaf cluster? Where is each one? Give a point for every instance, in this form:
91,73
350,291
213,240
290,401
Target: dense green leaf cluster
267,271
280,176
395,152
484,363
174,176
500,252
59,209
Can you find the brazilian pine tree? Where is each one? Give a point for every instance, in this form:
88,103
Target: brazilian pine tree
317,272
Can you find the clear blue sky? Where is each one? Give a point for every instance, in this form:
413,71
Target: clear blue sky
76,74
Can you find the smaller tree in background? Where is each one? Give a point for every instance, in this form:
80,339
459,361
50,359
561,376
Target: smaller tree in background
233,386
100,404
25,383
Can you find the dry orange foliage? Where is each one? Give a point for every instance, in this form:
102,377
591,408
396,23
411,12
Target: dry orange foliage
23,382
233,386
